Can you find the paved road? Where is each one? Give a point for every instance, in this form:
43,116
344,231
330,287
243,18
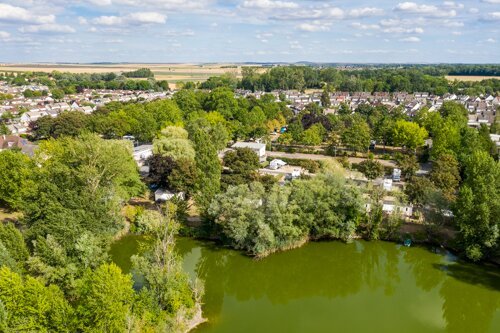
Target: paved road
316,157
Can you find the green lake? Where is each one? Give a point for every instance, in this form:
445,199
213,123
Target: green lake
337,287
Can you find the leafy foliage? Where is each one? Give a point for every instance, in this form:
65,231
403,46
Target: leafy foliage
478,205
260,223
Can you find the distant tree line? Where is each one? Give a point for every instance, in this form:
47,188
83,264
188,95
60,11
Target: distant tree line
140,73
426,79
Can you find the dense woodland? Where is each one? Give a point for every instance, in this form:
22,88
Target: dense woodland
56,274
370,80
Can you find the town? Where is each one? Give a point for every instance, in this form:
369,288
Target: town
22,109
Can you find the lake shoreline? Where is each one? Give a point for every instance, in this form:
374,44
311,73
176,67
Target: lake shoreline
196,320
397,239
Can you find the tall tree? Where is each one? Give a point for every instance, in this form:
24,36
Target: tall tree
208,166
478,206
409,134
15,178
445,174
105,299
356,134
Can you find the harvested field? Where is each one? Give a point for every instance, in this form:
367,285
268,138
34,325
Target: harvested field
170,72
470,78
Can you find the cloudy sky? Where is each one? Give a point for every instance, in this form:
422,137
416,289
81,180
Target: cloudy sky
249,30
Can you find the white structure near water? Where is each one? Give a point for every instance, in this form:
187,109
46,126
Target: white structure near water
258,148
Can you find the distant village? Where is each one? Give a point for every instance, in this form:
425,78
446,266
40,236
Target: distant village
24,110
482,109
28,109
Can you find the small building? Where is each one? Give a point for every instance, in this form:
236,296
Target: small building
258,148
387,185
293,175
396,175
162,195
16,142
276,164
142,153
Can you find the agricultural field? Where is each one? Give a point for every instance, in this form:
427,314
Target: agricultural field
469,78
171,72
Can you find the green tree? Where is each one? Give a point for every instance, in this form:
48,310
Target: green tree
445,175
57,94
105,299
478,206
13,241
79,186
409,134
313,136
173,142
408,164
184,176
15,178
241,160
325,98
371,169
208,166
356,135
162,270
417,189
32,307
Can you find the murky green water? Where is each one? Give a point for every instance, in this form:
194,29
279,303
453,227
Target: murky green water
336,287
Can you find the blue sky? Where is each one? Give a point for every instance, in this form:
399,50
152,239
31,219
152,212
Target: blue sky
249,30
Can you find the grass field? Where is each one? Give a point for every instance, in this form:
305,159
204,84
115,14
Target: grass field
170,72
470,78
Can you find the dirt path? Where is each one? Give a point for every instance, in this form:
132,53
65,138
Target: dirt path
317,157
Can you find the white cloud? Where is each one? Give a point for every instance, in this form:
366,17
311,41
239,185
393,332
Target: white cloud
176,33
4,35
146,17
326,12
495,2
452,24
49,27
295,45
453,4
314,26
108,20
402,30
494,16
100,2
361,26
427,10
490,40
365,12
164,4
410,39
473,10
17,14
82,20
269,4
133,19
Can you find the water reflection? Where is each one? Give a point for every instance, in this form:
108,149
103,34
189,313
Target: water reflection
357,287
428,288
